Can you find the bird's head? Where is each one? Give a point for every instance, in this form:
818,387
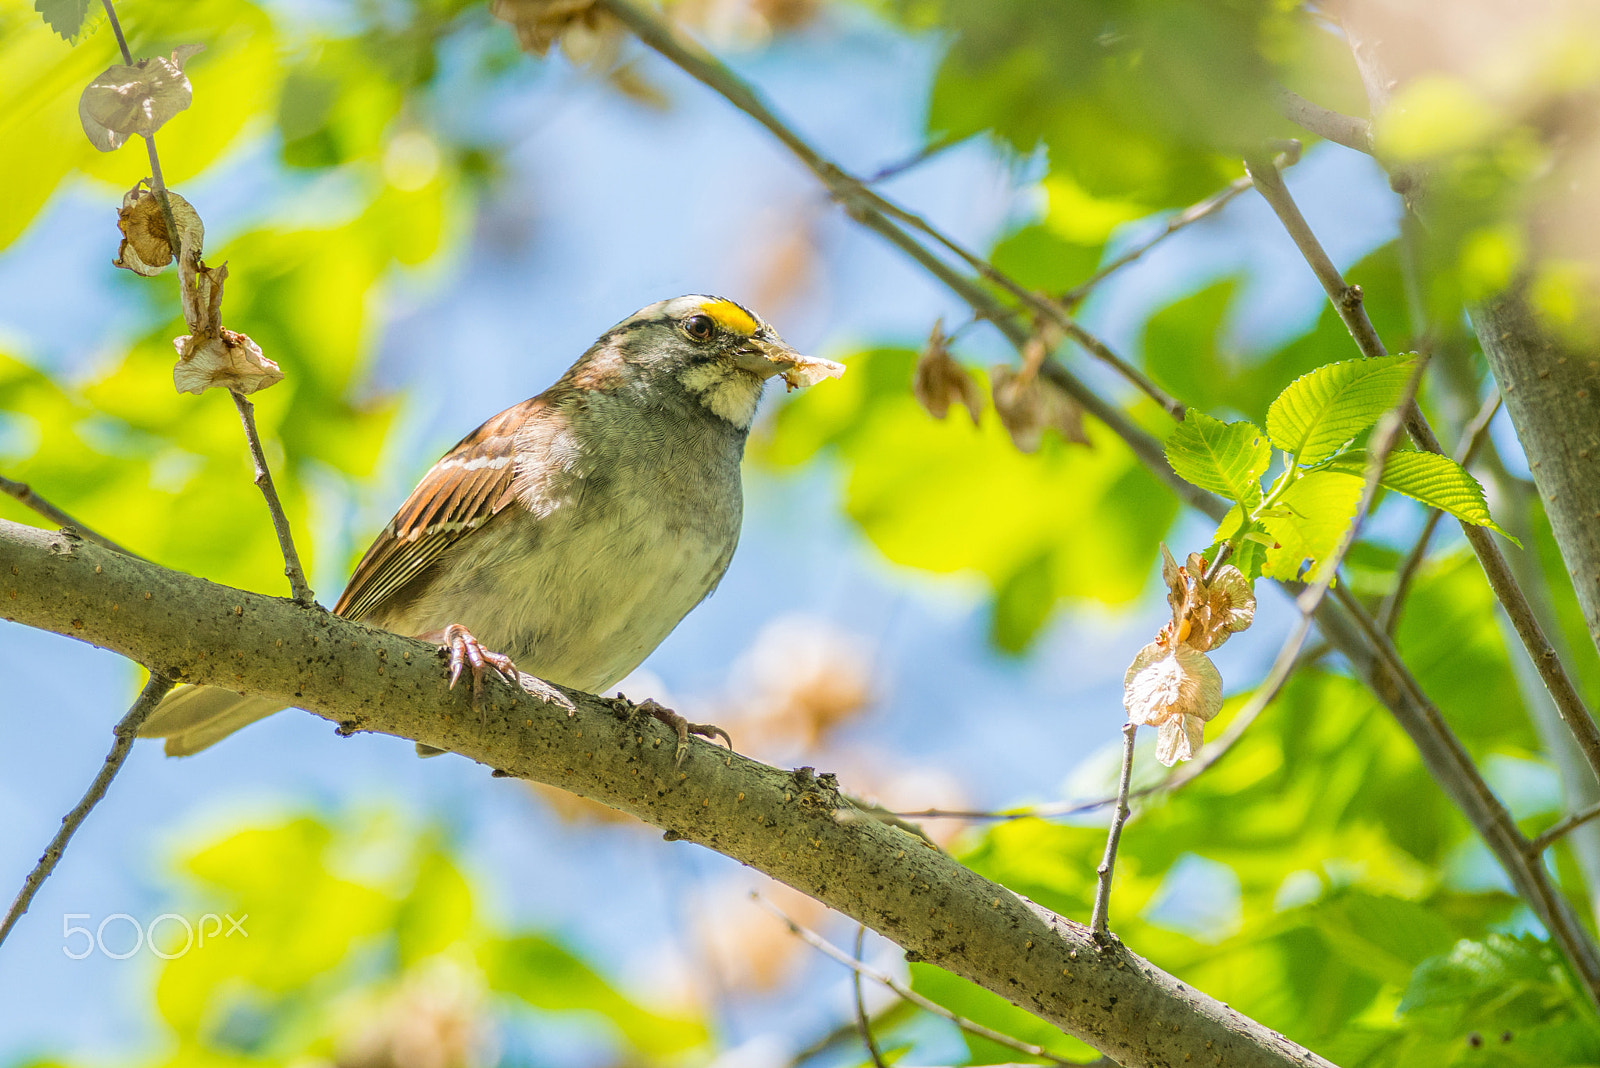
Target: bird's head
719,352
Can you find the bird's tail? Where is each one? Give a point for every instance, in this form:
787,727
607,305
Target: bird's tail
191,718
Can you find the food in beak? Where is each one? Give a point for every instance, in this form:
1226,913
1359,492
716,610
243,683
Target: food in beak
796,370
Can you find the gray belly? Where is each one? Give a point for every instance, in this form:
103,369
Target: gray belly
582,594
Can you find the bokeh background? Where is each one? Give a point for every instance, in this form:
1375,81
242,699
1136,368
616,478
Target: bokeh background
423,225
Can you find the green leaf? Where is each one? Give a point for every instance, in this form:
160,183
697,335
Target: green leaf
1322,410
1225,458
1312,517
64,16
1511,979
947,497
438,911
551,977
1436,481
1184,353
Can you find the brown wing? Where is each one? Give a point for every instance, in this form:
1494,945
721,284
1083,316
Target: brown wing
464,490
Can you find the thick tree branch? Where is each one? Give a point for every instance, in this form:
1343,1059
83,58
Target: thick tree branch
795,826
1552,393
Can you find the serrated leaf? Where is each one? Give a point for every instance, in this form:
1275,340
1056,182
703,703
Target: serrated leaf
1319,507
1225,458
1475,973
1325,408
1434,480
63,16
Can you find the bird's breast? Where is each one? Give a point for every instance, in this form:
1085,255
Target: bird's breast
583,585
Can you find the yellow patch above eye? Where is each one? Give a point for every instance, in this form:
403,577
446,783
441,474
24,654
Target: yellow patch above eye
730,317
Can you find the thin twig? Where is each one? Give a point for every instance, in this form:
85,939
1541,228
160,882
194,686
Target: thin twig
1346,130
157,185
866,206
807,935
24,494
116,28
1347,301
893,1015
280,522
1192,214
1561,827
1119,816
863,1025
699,64
125,732
1478,801
916,159
1187,217
1289,660
1472,436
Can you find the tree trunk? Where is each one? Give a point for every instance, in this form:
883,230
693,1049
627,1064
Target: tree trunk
1552,393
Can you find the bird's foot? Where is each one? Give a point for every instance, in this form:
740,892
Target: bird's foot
467,653
682,727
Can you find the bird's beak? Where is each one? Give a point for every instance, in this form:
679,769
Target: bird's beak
767,358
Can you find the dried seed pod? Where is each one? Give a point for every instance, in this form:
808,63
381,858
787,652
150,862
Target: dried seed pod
146,246
126,100
939,380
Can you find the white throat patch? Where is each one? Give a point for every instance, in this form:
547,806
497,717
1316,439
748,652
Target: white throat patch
731,394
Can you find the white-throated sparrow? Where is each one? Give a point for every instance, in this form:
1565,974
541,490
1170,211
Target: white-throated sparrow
570,533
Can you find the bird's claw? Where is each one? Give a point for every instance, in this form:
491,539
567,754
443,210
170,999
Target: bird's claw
467,653
682,727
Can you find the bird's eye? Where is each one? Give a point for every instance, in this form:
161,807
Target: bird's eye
699,327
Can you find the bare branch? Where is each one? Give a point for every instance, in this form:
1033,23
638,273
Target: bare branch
811,937
280,522
916,159
864,1025
1346,130
1187,217
1453,769
125,731
1119,816
1347,300
1561,827
24,494
875,211
122,42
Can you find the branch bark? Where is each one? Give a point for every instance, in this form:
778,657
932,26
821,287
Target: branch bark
1552,394
795,826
